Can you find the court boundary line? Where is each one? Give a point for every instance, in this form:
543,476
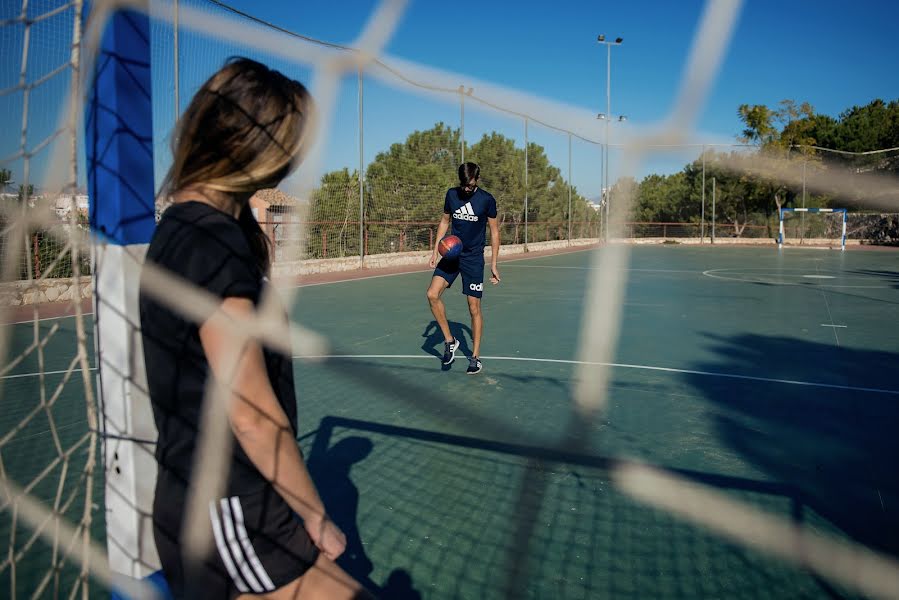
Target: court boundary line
711,274
36,374
848,388
692,272
829,313
42,319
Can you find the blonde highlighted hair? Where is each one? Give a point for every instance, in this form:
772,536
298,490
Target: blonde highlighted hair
243,131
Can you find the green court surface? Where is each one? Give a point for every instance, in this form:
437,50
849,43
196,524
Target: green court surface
768,376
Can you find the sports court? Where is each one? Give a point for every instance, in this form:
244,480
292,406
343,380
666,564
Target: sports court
720,422
769,376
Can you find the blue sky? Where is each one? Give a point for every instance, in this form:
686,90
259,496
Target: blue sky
829,53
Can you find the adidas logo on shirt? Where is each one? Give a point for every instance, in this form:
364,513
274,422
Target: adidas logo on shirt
465,213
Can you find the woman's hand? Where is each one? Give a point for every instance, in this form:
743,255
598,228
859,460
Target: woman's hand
327,537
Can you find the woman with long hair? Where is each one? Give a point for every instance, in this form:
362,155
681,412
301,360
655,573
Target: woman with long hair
243,131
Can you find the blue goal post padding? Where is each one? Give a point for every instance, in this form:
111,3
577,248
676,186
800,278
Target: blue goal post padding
118,133
157,583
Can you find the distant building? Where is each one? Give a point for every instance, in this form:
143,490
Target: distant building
63,205
275,210
269,206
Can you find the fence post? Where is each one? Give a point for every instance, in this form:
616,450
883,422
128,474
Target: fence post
569,192
802,214
525,184
363,244
702,213
713,210
36,271
324,243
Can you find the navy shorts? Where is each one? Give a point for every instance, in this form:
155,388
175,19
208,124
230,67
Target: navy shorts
472,270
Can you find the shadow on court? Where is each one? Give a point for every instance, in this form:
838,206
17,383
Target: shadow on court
838,447
330,468
433,343
890,278
444,506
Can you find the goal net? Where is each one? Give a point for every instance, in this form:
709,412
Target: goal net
76,441
823,227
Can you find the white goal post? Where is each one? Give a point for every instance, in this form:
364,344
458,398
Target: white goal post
838,212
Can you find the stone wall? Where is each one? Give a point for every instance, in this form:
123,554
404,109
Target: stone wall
20,293
399,259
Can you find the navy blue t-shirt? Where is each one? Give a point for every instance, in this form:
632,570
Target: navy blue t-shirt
469,217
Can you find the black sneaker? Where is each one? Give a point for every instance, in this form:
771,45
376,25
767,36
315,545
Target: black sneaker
449,353
474,365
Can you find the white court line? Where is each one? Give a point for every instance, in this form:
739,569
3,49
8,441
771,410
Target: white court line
569,362
24,375
829,314
743,276
305,285
830,325
30,321
833,386
595,268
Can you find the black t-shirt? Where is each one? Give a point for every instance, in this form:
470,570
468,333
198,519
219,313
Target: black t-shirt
469,217
207,248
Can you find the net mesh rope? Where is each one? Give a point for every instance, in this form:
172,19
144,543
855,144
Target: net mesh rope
49,442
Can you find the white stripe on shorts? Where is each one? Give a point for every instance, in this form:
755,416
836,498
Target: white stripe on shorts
223,550
248,549
245,570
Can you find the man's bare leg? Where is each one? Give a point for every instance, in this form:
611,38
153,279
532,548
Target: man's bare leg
438,309
477,324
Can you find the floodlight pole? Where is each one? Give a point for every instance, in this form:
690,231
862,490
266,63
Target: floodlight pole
602,189
361,179
608,117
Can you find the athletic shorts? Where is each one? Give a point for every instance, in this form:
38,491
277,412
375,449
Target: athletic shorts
258,545
472,270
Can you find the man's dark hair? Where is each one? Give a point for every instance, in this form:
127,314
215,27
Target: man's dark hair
468,171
